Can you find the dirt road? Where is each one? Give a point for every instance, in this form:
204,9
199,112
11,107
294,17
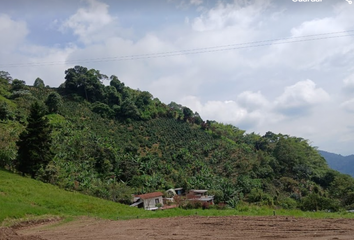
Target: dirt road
233,227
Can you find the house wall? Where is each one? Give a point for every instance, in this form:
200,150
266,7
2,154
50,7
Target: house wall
150,202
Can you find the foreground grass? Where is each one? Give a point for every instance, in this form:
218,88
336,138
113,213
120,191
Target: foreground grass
24,198
21,196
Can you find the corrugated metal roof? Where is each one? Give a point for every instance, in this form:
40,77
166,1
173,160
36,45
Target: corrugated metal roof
136,204
150,195
198,191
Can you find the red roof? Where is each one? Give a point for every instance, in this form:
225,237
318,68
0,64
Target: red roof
150,195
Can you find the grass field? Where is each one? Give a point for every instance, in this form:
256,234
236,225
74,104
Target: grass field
22,197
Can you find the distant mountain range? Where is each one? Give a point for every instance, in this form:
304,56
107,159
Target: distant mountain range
343,164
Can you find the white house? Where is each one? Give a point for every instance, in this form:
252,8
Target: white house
149,201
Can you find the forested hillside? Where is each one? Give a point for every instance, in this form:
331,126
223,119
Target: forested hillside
112,141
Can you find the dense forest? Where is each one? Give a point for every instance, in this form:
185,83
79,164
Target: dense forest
111,141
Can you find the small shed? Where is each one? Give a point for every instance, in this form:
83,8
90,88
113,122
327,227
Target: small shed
149,201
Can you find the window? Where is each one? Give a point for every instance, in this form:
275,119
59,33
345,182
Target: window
157,201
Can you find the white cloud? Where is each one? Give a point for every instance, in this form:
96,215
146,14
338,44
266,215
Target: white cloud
13,33
349,84
19,57
185,4
222,111
240,14
250,111
299,98
159,71
196,2
348,105
26,60
252,100
254,112
344,15
91,24
311,53
38,61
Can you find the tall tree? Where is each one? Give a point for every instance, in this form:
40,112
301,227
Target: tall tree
38,83
113,97
188,113
6,76
53,102
34,143
85,83
116,83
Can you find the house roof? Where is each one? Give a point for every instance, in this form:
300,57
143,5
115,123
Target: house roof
136,203
198,191
150,195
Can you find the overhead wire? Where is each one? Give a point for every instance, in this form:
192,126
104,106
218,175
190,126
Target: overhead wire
220,48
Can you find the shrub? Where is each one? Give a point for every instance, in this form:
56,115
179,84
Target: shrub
258,196
205,205
267,200
187,205
288,203
233,202
192,204
221,206
243,207
197,204
314,202
349,199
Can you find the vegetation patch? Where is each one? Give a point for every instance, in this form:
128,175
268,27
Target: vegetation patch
113,141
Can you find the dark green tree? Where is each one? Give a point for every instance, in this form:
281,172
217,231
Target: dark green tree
188,113
34,142
143,99
85,83
116,83
113,97
197,119
5,111
6,75
38,83
103,109
53,102
129,109
18,85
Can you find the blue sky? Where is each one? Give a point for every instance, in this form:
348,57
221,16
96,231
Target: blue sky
303,88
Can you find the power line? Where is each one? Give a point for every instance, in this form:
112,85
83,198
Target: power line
278,41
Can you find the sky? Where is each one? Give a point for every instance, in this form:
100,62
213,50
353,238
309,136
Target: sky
285,66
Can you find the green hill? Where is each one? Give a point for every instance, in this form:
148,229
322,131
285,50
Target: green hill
21,196
112,141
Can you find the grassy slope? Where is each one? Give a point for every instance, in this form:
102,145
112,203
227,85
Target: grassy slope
22,197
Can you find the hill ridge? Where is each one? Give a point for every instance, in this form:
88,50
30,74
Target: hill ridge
339,162
113,141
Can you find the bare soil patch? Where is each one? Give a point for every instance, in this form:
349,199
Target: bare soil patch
10,234
195,227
